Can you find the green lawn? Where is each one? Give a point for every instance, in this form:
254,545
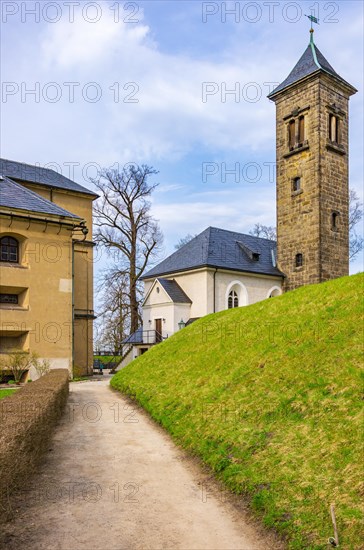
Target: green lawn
5,393
270,396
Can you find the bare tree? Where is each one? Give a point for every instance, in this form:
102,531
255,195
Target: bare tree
356,242
264,231
125,227
114,316
184,240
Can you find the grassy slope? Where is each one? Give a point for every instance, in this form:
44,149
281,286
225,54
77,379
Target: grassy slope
270,396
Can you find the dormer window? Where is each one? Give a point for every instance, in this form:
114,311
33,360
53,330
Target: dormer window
255,256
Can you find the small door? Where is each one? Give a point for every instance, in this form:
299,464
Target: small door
158,330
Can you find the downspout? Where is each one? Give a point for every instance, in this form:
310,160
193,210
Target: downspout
74,241
73,304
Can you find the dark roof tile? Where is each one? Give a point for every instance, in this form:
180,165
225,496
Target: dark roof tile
222,249
42,176
13,195
174,291
311,61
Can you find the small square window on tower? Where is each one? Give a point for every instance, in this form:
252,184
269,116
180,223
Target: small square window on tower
296,184
299,260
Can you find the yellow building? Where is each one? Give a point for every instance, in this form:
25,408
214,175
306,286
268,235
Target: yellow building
46,267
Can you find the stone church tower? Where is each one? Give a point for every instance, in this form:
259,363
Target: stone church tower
312,108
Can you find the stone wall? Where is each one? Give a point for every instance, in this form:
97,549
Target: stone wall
304,217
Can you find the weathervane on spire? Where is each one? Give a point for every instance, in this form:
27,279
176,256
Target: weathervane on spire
313,19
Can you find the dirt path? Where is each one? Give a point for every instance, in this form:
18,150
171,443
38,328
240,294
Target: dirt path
114,480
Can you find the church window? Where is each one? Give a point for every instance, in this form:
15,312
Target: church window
296,184
299,260
233,300
9,250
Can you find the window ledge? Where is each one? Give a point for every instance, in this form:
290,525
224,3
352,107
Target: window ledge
10,264
298,192
332,146
297,149
13,307
297,269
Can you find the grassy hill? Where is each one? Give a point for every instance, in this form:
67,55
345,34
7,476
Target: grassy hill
270,396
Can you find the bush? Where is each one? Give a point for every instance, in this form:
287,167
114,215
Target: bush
27,420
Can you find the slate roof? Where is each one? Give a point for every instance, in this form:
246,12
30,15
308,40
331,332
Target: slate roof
222,249
43,176
135,338
311,61
174,291
14,195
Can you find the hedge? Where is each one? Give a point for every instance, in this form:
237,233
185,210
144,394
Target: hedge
27,419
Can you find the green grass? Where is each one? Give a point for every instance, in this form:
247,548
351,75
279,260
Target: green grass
5,393
270,396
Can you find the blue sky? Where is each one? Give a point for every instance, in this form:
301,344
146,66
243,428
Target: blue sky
137,71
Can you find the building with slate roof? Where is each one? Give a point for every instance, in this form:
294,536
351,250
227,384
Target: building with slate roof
46,277
216,270
221,269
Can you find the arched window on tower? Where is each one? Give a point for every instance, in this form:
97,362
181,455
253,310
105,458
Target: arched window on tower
9,250
334,123
233,300
301,130
292,134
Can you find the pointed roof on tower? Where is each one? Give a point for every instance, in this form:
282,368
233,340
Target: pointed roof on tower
311,62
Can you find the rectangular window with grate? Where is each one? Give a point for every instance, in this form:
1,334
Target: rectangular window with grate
8,298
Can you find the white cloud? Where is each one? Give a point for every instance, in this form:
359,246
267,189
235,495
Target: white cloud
70,44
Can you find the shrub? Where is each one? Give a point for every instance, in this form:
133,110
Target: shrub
27,420
20,362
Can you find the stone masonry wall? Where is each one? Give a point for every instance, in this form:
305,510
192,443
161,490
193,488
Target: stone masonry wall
304,221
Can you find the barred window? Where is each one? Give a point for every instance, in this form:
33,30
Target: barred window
8,298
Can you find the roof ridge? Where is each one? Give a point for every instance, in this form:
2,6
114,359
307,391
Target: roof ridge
244,234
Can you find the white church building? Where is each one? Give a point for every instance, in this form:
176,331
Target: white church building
216,270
